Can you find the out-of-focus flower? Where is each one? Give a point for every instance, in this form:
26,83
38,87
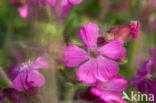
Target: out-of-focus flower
123,32
94,63
62,7
23,11
111,91
25,6
143,73
27,75
146,76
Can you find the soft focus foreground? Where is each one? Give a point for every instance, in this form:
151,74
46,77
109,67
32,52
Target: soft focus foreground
78,51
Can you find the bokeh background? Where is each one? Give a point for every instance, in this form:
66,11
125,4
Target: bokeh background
43,35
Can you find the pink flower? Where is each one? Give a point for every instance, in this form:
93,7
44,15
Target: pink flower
25,6
134,29
27,75
62,7
143,73
146,77
93,63
111,91
123,32
23,11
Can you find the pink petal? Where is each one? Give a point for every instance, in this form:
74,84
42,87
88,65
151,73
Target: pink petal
62,9
137,79
149,65
105,69
118,84
88,34
112,97
113,50
35,79
85,72
23,11
107,96
134,29
97,69
19,81
73,56
40,63
74,2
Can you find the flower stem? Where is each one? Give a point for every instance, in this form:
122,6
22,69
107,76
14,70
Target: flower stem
5,77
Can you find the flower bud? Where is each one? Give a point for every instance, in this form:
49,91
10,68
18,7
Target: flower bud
134,25
123,32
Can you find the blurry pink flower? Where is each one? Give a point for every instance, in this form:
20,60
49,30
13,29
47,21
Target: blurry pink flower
62,7
145,78
111,91
134,25
27,75
143,73
97,63
25,6
147,68
123,32
23,11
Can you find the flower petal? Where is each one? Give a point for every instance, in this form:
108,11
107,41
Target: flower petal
62,8
85,72
107,96
73,55
113,50
19,81
112,97
23,11
134,29
137,79
117,84
89,33
40,63
105,69
75,2
35,79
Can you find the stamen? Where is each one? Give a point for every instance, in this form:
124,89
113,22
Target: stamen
93,52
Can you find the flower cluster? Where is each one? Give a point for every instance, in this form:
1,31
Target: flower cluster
60,7
145,76
96,63
27,76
